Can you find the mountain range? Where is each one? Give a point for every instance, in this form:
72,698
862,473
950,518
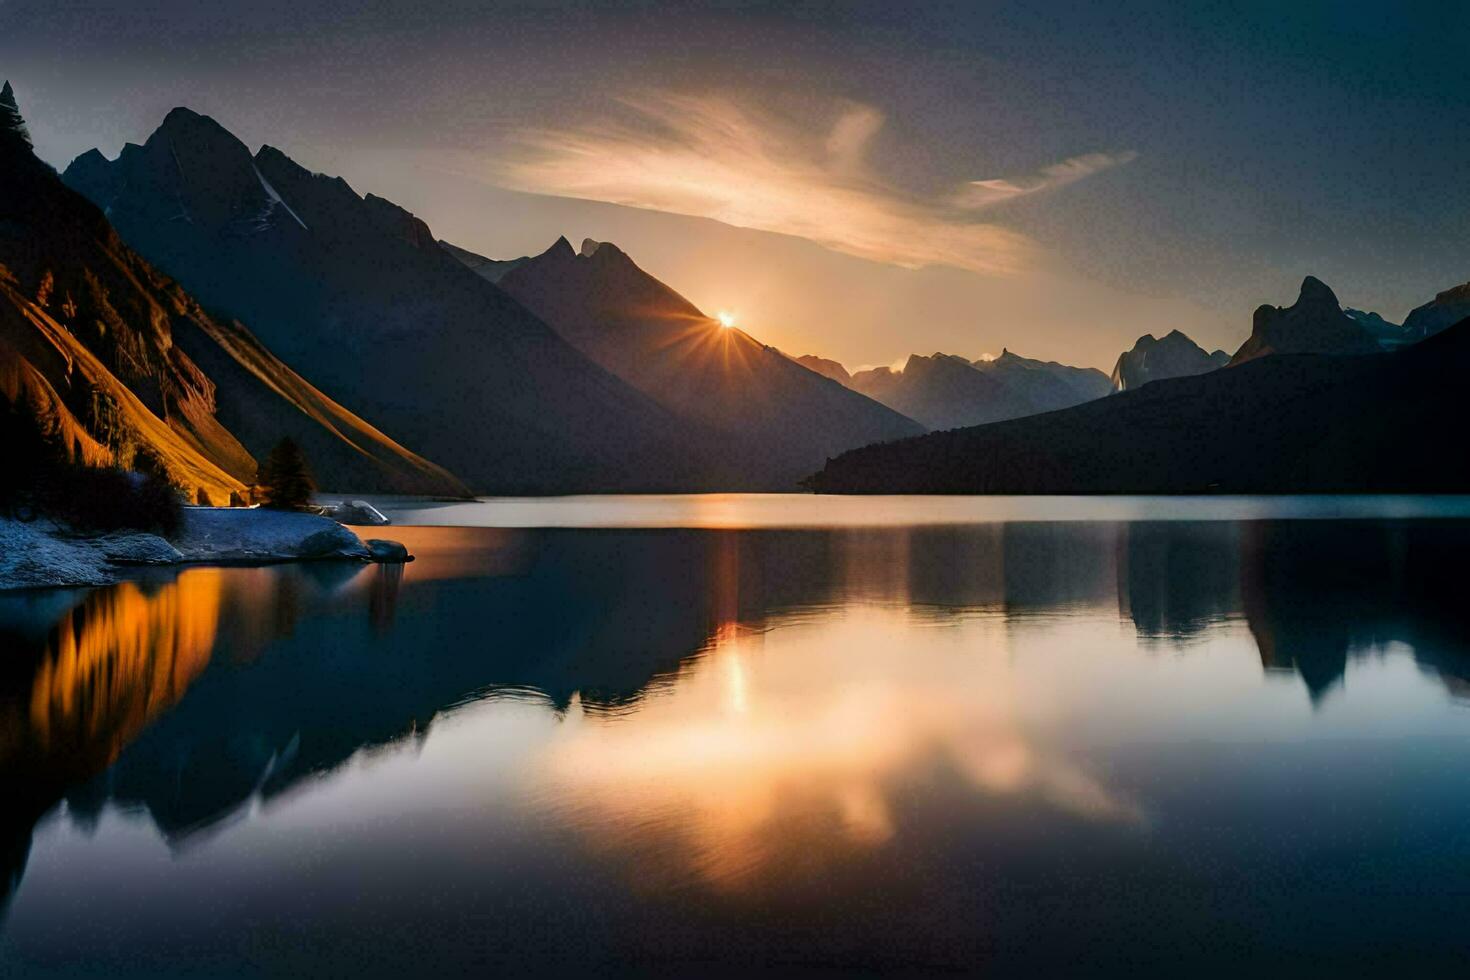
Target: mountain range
357,294
194,302
946,391
115,359
1274,421
770,416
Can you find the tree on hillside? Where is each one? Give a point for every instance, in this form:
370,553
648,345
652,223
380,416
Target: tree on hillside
285,477
13,130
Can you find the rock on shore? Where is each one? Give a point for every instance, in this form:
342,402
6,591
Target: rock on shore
40,554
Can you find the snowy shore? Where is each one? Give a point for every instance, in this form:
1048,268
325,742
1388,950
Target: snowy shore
39,554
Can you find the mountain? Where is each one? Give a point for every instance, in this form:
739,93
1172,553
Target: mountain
1388,335
1154,359
773,418
1314,324
356,293
1449,307
1048,385
825,367
1291,423
119,360
943,391
491,269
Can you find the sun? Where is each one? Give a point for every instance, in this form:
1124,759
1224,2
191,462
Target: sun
727,320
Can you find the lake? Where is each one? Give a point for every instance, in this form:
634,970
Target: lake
701,736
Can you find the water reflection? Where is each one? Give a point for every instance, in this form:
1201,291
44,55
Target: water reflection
778,748
729,706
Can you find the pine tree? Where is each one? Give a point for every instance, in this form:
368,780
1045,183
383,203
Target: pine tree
13,132
286,478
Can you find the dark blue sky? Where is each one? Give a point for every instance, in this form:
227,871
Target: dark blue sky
1263,141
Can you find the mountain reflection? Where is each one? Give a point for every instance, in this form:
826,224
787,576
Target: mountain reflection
777,659
109,666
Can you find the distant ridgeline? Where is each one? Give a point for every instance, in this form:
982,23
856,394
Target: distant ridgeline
1317,400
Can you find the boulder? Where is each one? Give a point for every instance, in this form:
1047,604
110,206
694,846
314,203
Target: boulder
330,542
138,549
387,551
225,535
358,512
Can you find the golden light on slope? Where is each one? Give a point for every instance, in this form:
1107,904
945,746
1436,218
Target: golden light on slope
727,320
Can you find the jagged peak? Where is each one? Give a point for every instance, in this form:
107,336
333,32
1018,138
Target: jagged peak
561,248
604,253
1316,292
182,119
183,125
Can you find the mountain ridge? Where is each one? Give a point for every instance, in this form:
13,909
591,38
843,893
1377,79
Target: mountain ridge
102,345
770,415
1286,423
356,293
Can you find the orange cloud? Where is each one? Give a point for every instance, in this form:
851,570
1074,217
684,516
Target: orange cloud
711,157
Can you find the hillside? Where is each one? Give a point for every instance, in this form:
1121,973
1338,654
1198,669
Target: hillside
118,359
1288,423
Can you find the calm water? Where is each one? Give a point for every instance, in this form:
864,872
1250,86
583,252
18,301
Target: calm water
952,736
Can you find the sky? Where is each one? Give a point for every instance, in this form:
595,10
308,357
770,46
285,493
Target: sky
861,181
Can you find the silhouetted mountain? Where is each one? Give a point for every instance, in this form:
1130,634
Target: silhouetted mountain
1307,423
1446,309
1154,359
825,367
943,391
492,269
116,358
358,295
1314,324
772,417
1388,335
1048,385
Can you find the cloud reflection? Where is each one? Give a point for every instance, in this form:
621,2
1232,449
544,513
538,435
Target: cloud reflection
798,740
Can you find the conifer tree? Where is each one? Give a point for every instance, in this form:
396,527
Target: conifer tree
13,132
286,477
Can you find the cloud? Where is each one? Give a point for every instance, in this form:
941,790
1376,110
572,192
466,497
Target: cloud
711,157
983,193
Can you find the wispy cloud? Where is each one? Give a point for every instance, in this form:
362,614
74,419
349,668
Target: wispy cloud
712,157
983,193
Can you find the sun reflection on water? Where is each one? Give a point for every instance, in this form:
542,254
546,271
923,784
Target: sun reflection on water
798,740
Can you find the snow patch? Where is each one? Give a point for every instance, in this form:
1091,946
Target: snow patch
40,554
270,192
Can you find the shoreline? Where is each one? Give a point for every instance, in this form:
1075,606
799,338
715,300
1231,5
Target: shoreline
42,554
